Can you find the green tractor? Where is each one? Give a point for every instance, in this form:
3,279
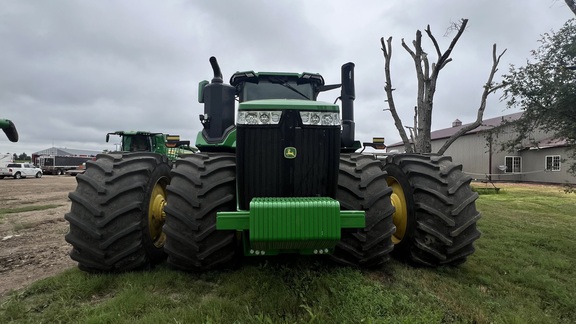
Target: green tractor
9,129
281,177
142,141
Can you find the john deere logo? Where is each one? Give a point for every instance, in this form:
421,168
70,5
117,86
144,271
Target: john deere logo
290,152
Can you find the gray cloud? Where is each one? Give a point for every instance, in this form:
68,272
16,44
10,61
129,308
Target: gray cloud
71,71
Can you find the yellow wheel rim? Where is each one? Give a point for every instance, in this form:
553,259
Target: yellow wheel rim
156,214
400,217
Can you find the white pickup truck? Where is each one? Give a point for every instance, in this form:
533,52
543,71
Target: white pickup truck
20,170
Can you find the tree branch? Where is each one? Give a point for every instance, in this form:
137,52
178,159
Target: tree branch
444,63
426,66
489,88
420,58
408,49
572,5
415,122
436,46
444,59
387,52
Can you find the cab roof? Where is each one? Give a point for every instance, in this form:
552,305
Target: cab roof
251,76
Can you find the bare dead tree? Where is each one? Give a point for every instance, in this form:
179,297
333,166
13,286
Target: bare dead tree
427,76
489,88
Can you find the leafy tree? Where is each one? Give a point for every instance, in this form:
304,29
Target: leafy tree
545,89
23,157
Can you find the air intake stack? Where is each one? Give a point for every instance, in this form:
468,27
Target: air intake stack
218,98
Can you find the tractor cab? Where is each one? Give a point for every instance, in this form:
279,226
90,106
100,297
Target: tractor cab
139,141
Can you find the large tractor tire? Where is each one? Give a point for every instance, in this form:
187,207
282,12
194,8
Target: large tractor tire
117,212
435,214
362,186
202,185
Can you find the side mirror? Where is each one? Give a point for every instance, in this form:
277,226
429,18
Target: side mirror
201,86
9,129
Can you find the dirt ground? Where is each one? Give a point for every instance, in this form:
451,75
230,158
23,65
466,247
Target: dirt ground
32,244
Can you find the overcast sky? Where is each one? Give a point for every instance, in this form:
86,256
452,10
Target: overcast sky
72,71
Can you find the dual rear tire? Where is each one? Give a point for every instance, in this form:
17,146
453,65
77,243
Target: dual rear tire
435,215
419,208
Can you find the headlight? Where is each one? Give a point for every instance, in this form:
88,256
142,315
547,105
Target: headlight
320,118
259,117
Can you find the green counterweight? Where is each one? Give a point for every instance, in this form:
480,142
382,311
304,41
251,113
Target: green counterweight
306,225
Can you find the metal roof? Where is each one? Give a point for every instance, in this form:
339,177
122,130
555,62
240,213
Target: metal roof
66,151
547,143
486,125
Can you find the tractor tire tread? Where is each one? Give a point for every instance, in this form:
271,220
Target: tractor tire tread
444,210
362,186
202,185
108,230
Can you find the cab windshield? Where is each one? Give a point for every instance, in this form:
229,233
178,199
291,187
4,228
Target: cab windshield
276,89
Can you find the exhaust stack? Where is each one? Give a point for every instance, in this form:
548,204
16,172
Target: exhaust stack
347,96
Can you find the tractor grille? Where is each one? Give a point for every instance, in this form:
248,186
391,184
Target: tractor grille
264,171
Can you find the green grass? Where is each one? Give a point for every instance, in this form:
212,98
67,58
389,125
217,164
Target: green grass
522,272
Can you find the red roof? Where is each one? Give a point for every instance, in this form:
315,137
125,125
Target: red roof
486,124
547,143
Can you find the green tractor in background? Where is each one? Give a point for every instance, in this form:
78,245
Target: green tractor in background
9,129
142,141
281,177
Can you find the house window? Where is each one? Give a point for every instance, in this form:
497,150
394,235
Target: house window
552,162
513,164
